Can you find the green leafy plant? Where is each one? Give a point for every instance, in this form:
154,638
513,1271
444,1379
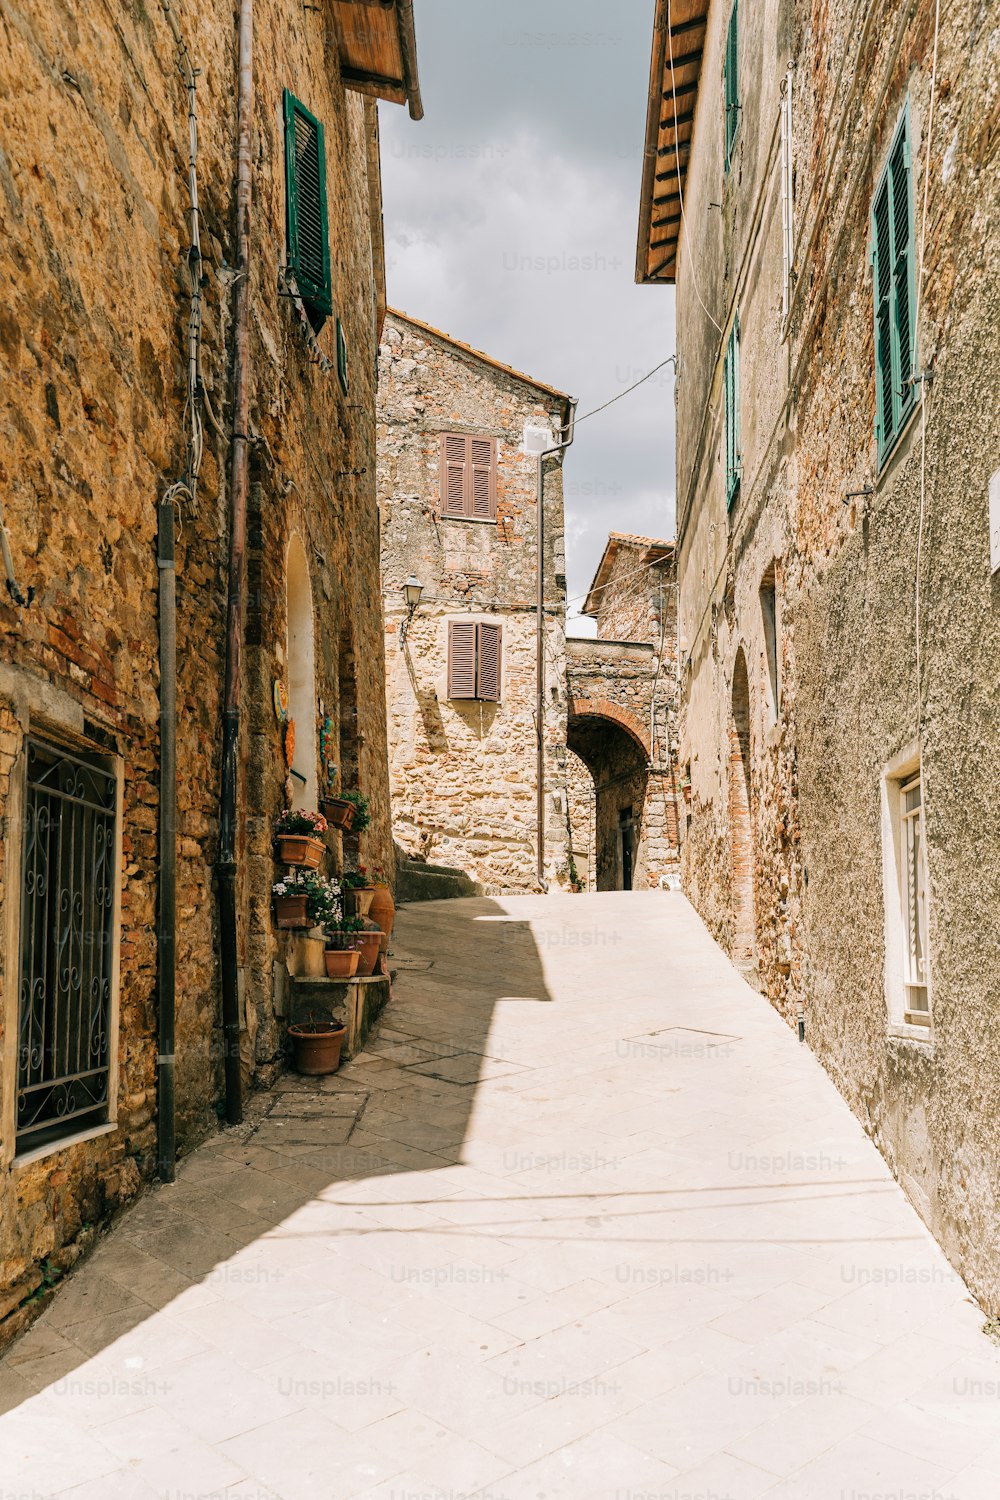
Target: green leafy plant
323,905
343,937
362,809
355,880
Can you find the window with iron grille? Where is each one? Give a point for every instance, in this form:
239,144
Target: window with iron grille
306,221
474,660
732,82
893,292
731,389
66,946
468,476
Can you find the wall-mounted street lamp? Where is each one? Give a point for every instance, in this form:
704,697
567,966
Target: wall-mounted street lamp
412,590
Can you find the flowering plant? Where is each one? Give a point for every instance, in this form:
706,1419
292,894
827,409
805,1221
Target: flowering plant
356,880
322,896
299,821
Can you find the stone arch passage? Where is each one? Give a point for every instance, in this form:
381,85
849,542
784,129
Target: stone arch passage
617,760
740,806
301,671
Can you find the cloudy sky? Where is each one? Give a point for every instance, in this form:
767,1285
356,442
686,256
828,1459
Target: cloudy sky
510,215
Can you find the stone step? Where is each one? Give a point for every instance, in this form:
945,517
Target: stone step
416,881
356,1002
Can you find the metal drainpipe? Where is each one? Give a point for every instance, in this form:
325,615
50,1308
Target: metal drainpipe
235,608
568,430
166,1131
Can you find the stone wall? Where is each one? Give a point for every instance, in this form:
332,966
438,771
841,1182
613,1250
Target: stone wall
847,538
463,771
93,131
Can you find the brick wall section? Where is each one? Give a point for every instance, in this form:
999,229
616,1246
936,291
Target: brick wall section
463,772
846,566
92,390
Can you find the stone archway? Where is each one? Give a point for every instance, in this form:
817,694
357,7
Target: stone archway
301,646
740,815
613,752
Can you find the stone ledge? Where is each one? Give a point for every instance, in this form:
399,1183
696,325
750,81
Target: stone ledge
356,1002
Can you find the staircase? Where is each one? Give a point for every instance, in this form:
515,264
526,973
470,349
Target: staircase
417,881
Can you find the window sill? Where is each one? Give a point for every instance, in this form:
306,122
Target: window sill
908,1031
467,520
900,445
27,1158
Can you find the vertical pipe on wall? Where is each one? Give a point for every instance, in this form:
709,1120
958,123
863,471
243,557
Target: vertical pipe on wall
236,601
167,908
540,675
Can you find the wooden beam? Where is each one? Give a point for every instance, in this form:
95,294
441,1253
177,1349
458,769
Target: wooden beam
684,26
687,57
672,123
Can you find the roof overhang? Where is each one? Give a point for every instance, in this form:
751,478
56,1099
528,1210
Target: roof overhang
653,550
378,50
675,70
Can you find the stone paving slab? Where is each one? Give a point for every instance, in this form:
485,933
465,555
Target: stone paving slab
585,1220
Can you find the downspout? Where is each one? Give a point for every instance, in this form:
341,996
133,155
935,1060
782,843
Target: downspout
567,438
166,1123
236,602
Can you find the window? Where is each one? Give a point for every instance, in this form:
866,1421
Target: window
67,934
731,383
305,209
468,476
787,193
906,893
342,357
474,660
769,616
893,283
732,81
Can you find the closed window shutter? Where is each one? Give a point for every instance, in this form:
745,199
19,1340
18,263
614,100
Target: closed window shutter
892,294
488,654
482,470
454,451
732,92
305,207
461,659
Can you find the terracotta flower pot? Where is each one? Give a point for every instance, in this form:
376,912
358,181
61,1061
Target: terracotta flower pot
337,812
358,901
316,1046
370,945
300,849
290,911
341,963
383,911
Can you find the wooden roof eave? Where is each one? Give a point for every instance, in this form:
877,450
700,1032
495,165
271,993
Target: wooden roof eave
399,81
675,70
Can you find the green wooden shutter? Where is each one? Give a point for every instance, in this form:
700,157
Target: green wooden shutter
893,293
732,81
731,385
306,211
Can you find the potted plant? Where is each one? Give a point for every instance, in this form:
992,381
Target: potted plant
362,810
290,898
358,892
363,938
297,837
323,905
338,812
343,951
316,1045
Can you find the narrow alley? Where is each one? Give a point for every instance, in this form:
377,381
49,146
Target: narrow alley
584,1219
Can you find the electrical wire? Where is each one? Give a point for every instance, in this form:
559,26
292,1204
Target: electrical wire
670,360
923,398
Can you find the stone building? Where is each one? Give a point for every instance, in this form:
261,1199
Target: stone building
238,382
622,726
457,496
823,189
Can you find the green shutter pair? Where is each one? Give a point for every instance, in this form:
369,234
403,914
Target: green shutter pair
731,386
893,288
306,211
732,82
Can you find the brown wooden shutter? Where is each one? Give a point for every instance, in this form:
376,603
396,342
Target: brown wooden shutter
488,663
454,453
482,478
461,659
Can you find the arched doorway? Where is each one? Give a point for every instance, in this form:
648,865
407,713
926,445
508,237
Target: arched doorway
740,826
301,672
619,765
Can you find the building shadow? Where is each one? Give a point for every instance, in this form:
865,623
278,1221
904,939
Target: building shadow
308,1139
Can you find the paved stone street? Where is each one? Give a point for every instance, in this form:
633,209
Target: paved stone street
585,1220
